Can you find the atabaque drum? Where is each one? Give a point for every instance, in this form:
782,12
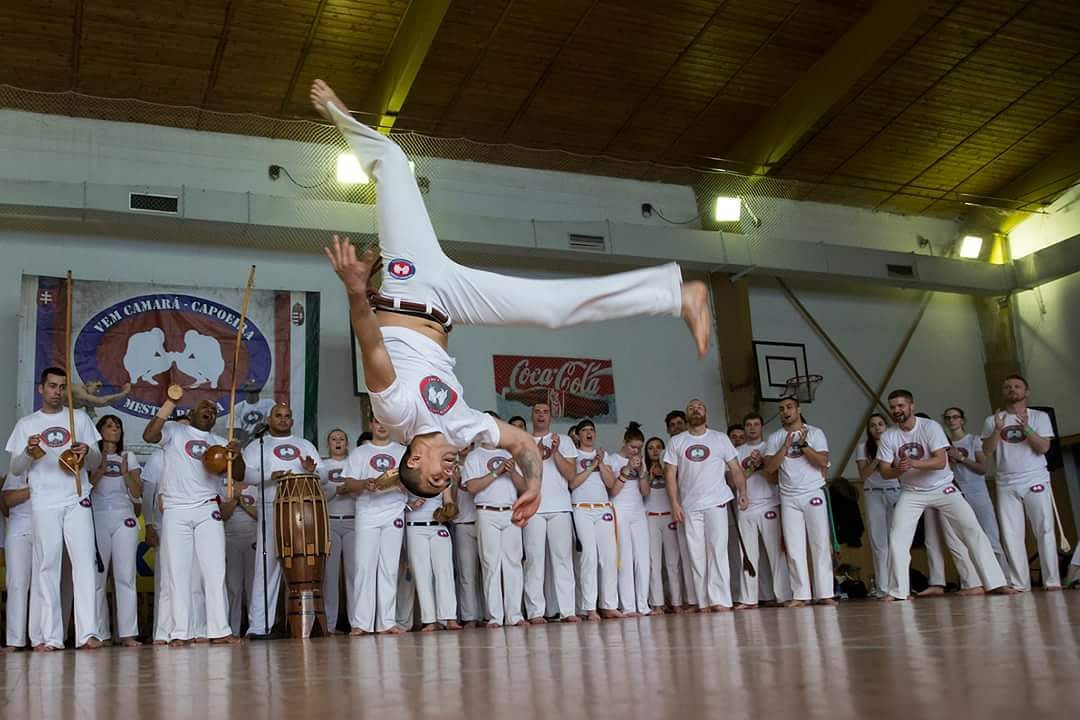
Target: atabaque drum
302,543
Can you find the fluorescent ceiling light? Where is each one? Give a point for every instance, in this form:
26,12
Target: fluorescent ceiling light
349,171
971,246
728,209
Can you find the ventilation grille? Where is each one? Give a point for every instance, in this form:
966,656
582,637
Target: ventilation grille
588,243
144,202
901,271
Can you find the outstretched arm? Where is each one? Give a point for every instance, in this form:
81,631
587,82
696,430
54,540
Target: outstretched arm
354,273
527,458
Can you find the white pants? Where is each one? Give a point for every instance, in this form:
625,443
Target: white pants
634,562
807,517
952,506
467,569
70,527
937,528
760,528
196,536
162,593
477,297
375,577
879,507
118,543
983,506
500,560
431,555
342,550
19,554
706,533
687,571
239,574
258,610
598,575
1034,499
405,610
549,534
664,555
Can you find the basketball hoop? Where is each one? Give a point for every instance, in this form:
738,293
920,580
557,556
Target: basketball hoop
802,387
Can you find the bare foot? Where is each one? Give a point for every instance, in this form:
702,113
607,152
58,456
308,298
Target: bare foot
431,627
828,602
932,591
322,95
657,611
521,623
45,648
452,625
91,644
200,640
179,643
357,632
893,599
469,624
795,603
745,606
227,640
696,313
967,592
720,609
392,631
493,625
1052,588
611,614
632,614
8,649
540,621
1005,590
593,617
568,619
129,642
160,642
771,604
679,610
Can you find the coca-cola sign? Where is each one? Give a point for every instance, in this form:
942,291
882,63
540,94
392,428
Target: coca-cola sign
573,387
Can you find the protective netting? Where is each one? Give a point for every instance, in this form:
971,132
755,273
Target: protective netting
309,152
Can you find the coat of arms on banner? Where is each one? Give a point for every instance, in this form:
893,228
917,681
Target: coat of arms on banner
131,341
573,387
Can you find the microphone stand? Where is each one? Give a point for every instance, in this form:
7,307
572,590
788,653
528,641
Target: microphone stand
262,531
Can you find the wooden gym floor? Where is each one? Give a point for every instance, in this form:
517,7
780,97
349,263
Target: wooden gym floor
968,658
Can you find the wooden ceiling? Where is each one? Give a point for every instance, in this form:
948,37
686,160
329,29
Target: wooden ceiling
965,98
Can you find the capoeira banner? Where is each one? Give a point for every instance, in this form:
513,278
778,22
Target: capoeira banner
131,341
573,387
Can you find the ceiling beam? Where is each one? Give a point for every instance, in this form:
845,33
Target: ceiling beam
824,84
309,38
403,59
1052,175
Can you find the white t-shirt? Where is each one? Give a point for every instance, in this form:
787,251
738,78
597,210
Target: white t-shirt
466,508
657,500
425,512
19,520
969,481
700,463
251,415
279,453
50,485
111,492
331,472
759,491
187,483
629,499
593,490
554,489
875,481
240,523
919,443
152,474
369,461
426,396
1014,459
798,476
501,492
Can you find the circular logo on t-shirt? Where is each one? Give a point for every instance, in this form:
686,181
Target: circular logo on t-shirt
545,451
963,451
584,463
400,269
288,453
334,475
438,396
55,437
382,462
113,468
247,500
911,451
195,449
697,453
495,464
656,483
1012,434
253,417
795,451
747,463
